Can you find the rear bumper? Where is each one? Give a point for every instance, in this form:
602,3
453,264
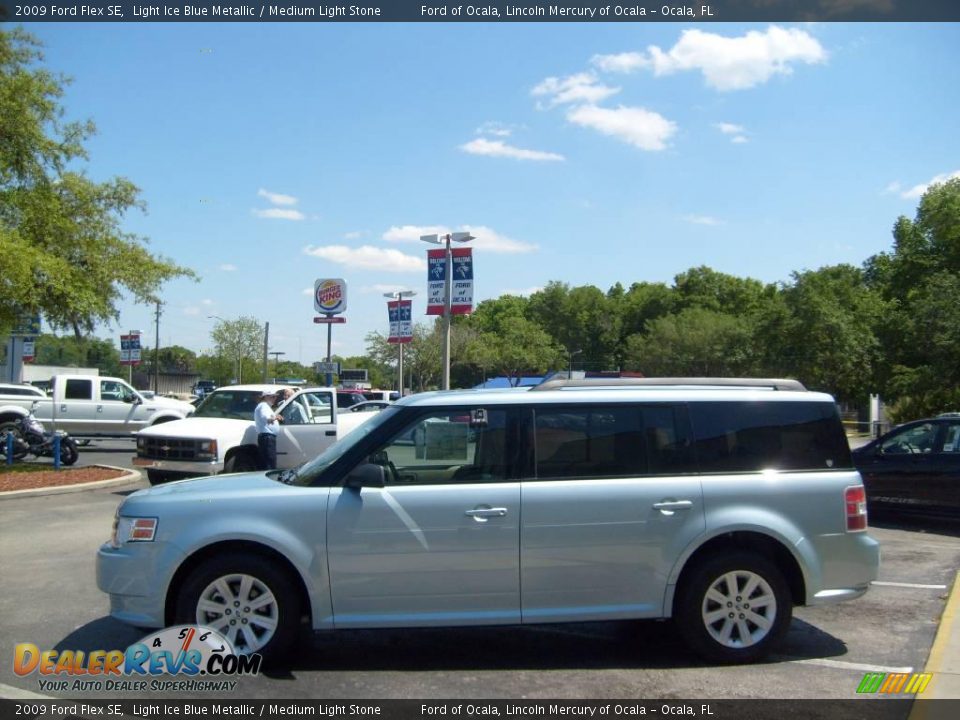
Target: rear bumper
849,563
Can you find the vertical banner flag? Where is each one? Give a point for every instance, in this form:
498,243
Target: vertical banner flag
130,349
436,271
29,349
401,321
393,310
461,299
406,321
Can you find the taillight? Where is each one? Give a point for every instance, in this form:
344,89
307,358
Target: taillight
855,500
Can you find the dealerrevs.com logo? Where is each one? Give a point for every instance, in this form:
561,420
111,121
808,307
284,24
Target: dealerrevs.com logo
201,657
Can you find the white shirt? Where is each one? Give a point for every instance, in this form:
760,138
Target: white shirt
265,419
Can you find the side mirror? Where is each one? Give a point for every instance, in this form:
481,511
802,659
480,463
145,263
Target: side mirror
366,475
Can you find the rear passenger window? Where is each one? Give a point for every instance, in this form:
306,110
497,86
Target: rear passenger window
617,441
753,436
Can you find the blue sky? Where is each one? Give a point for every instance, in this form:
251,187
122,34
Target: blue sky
270,155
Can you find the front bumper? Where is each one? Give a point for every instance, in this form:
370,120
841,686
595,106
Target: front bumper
136,576
200,467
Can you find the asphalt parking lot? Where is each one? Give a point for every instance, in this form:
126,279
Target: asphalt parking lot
50,599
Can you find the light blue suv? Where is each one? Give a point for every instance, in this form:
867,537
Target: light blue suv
719,503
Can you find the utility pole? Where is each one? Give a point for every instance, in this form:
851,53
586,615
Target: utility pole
156,354
266,346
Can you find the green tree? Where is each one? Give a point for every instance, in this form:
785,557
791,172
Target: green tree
919,281
62,250
693,342
240,341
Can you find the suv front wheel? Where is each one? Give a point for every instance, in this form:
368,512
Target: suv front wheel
733,608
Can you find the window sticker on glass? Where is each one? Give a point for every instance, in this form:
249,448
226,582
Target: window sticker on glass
478,418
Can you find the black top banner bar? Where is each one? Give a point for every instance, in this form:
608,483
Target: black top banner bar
456,11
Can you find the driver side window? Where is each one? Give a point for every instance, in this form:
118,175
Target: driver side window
919,439
455,446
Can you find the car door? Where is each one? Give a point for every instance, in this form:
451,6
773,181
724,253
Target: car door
76,410
900,465
942,487
118,409
308,428
439,544
608,507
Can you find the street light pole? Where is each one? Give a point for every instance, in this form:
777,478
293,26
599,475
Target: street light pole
400,295
447,288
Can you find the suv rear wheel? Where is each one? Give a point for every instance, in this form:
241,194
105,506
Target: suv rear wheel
733,608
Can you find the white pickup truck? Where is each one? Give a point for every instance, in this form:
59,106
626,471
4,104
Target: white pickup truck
91,406
220,436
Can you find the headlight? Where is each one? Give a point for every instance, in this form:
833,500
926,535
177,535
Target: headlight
207,450
133,529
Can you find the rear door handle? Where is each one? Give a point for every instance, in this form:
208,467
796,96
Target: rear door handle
330,433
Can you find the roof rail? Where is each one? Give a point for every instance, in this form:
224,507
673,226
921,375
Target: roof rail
770,383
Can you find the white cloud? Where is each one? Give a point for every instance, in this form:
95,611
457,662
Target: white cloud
737,63
620,63
277,198
354,235
228,267
580,88
917,191
730,128
207,302
308,291
893,187
703,220
498,148
738,132
412,233
491,241
367,257
636,126
495,128
191,310
485,238
279,214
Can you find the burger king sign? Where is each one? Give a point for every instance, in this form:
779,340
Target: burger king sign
330,296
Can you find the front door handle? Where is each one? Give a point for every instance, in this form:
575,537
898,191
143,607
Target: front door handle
667,507
483,514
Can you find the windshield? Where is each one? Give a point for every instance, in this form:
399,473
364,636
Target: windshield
235,404
310,471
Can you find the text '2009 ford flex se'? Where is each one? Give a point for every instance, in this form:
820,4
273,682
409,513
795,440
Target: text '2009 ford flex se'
718,503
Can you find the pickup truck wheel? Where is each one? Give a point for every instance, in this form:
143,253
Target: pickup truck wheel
733,608
242,461
247,599
9,427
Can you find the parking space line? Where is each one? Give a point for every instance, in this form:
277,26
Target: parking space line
844,665
909,585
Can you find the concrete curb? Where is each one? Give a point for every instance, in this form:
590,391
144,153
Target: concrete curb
943,664
128,476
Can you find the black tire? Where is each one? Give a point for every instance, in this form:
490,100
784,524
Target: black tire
11,428
733,631
242,461
239,622
69,453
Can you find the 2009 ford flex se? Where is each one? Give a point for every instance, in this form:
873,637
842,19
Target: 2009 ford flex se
719,503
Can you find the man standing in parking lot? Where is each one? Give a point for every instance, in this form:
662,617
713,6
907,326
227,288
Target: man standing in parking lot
267,422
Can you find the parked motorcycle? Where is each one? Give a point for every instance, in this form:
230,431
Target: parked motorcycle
30,437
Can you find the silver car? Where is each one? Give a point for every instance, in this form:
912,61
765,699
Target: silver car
721,504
